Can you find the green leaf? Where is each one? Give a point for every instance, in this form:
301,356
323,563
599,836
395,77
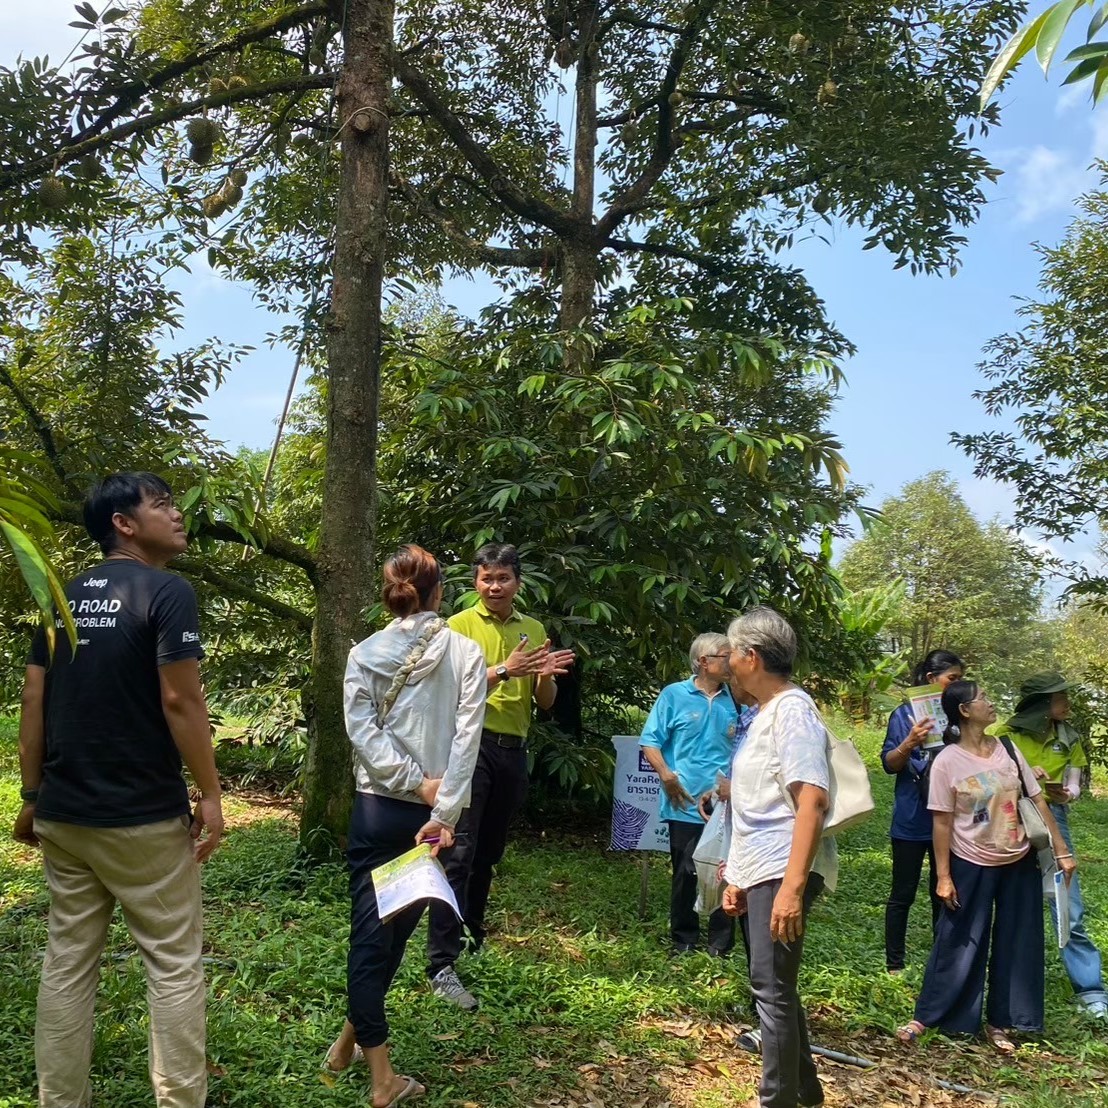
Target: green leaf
1100,17
1054,26
1016,48
1100,83
1082,70
1089,50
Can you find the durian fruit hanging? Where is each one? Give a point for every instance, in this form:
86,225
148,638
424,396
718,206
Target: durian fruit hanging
202,134
226,196
53,194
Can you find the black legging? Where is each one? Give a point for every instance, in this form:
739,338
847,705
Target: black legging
907,866
381,828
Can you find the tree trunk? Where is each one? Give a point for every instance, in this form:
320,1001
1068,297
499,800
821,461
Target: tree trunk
580,255
346,572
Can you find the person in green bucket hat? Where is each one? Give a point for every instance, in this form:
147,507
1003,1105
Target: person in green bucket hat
1056,754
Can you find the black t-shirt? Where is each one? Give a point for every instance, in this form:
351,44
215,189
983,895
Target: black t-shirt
110,757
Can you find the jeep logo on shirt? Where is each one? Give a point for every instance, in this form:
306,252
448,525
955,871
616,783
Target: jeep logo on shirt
96,583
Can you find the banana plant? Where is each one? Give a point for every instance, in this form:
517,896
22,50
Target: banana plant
25,528
1043,35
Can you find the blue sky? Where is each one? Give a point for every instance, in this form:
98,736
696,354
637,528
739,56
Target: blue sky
919,339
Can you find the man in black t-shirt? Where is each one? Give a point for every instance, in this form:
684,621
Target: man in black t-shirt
102,736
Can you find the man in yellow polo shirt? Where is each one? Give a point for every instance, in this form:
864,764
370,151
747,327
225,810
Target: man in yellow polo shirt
521,671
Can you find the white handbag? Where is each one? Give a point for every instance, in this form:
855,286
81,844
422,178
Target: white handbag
851,798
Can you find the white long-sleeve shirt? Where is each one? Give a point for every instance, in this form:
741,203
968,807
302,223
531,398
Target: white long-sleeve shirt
434,726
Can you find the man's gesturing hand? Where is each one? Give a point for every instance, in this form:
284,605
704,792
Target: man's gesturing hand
556,663
207,817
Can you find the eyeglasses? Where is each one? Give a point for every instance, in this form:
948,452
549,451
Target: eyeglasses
727,655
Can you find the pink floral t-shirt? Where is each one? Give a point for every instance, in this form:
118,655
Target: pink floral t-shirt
983,794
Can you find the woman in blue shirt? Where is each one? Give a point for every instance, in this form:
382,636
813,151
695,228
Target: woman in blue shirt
903,755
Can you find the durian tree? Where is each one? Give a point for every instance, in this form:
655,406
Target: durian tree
596,159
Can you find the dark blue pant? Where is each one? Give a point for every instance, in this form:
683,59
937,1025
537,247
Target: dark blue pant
381,828
998,931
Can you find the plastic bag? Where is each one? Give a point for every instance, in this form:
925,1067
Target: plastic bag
709,858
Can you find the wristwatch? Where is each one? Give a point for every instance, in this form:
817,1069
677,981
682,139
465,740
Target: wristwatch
501,673
28,796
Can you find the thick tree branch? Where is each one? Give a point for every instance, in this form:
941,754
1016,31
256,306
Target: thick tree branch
496,256
705,261
284,550
627,18
230,587
70,148
39,424
756,100
510,195
130,94
665,145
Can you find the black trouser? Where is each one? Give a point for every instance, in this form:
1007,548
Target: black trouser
381,828
498,790
907,866
684,924
789,1075
997,930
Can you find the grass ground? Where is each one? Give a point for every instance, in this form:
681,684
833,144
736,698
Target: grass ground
580,1005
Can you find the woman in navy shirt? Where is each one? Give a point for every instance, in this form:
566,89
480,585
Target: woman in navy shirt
903,755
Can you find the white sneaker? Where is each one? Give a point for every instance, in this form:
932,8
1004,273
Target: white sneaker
448,985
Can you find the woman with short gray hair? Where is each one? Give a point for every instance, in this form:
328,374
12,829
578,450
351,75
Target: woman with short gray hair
779,796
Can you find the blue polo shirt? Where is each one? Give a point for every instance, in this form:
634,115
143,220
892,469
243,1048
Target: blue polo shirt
694,732
911,819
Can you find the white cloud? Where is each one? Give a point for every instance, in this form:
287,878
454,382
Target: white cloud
1046,181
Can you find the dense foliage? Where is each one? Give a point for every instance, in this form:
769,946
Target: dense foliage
972,588
628,174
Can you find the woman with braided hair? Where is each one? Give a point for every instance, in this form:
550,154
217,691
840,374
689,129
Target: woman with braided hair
415,702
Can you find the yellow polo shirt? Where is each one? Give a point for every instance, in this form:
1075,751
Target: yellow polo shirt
508,709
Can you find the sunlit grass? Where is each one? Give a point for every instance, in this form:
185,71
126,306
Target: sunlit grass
579,1000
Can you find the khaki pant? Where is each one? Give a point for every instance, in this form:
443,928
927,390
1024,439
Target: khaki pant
151,872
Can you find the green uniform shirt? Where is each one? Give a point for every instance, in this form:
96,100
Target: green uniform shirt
508,709
1045,751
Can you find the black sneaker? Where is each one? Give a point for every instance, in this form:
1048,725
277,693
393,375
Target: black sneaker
678,949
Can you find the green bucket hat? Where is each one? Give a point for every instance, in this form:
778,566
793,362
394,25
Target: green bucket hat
1032,714
1038,685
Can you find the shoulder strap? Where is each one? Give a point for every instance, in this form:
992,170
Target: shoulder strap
1007,743
826,738
400,678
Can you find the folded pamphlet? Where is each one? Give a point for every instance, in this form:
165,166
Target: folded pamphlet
927,706
1062,902
410,878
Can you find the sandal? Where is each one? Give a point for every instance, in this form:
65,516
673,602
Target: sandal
910,1031
1000,1040
411,1091
328,1067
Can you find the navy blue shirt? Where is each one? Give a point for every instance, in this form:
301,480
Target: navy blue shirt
911,819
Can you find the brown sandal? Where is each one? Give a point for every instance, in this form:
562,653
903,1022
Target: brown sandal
1000,1040
910,1031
